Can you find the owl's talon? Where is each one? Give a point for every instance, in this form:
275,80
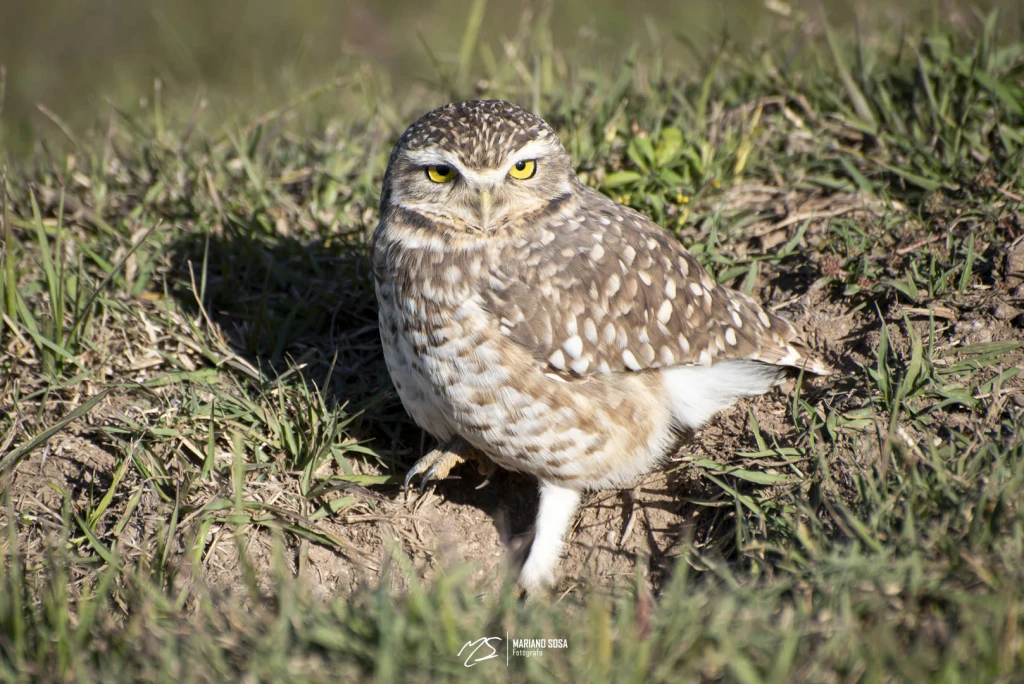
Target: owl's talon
411,474
434,466
425,480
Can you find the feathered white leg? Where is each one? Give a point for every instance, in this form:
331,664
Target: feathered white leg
557,506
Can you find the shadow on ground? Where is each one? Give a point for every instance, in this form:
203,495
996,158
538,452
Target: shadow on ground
281,304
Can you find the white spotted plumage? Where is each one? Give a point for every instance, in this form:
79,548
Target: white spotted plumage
538,324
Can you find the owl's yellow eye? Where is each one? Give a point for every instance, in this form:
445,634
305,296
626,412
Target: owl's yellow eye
441,173
523,169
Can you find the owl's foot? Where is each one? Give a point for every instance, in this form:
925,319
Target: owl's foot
438,463
434,466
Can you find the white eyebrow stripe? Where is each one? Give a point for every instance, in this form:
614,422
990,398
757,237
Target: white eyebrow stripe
433,157
529,151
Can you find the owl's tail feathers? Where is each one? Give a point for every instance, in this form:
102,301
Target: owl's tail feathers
793,355
776,340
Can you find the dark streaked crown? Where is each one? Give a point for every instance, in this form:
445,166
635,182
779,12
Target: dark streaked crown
481,132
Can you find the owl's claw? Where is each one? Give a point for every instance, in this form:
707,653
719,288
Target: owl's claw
434,466
439,462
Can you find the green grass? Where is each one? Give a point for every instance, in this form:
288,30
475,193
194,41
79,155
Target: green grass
189,362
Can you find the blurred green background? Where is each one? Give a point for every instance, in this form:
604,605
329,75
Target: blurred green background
76,57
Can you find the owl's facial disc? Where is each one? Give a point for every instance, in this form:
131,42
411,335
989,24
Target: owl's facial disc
485,199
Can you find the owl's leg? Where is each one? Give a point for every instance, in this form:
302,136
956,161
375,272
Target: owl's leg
438,463
557,507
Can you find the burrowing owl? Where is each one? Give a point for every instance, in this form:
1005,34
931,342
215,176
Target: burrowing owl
529,319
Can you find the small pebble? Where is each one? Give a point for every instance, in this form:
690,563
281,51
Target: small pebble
1003,311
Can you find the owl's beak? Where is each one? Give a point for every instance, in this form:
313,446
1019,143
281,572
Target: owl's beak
486,201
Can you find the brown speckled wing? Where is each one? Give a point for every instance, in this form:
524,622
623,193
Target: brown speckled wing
607,290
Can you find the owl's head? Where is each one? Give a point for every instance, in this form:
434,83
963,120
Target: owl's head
477,166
